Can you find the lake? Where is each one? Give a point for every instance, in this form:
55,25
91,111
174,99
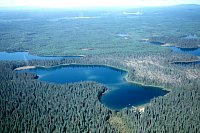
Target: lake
121,93
157,43
26,56
186,63
192,51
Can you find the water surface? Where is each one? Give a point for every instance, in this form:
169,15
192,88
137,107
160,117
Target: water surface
157,43
186,63
121,94
192,51
26,56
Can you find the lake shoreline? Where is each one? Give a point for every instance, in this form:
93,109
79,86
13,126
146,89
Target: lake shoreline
171,45
31,53
24,68
193,61
139,107
126,77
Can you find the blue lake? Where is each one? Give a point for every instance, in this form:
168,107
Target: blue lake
157,43
121,93
187,63
192,51
26,56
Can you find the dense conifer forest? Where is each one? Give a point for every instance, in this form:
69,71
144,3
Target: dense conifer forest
28,105
31,105
110,38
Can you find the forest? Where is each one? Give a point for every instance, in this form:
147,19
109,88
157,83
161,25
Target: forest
31,105
108,38
181,42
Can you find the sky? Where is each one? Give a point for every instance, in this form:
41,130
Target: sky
93,3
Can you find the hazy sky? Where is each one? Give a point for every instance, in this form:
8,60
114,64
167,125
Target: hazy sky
93,3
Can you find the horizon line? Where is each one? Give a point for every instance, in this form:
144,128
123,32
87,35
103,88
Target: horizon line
84,7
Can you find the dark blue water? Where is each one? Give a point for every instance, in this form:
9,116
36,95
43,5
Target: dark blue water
25,56
188,49
187,63
157,43
193,51
121,94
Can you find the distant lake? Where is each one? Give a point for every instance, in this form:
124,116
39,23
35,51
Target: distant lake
157,43
186,63
26,56
192,51
121,94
